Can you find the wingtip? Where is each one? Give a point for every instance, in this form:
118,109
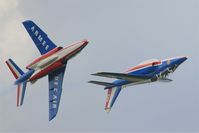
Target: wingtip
93,74
28,23
18,105
51,117
8,60
107,110
96,74
25,21
89,81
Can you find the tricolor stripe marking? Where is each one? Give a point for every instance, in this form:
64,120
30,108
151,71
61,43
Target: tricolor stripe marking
14,70
143,66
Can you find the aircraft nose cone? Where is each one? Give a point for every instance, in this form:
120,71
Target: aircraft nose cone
182,59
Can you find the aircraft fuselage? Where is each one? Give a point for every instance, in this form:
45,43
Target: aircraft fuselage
157,70
53,60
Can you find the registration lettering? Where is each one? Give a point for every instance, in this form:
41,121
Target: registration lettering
55,83
39,37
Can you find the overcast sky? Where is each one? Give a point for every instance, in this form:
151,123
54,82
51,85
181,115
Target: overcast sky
122,33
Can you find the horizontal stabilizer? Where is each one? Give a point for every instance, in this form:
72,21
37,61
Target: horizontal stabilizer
16,71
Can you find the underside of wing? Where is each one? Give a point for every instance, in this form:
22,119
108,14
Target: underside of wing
55,90
40,38
124,76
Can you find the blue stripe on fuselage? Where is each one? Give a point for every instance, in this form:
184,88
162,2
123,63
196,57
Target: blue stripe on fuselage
146,71
151,71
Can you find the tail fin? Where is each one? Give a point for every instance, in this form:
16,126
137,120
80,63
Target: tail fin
112,95
17,72
113,90
40,38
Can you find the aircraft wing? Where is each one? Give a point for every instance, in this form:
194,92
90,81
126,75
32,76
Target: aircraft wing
128,77
40,38
55,89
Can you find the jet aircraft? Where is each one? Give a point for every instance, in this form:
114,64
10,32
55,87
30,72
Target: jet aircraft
52,62
145,72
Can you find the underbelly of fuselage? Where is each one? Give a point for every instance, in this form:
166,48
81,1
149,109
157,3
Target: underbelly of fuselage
54,62
45,71
135,83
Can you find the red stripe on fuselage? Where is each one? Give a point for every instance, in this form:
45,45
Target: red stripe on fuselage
44,56
58,64
143,65
55,50
47,70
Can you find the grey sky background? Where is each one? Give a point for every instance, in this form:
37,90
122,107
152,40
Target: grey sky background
122,33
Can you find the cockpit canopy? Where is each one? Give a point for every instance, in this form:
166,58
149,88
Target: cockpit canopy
151,61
